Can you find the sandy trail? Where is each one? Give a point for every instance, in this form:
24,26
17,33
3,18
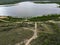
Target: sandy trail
47,28
21,42
27,41
34,35
3,20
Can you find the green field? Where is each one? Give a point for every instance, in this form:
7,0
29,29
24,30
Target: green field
14,31
11,33
46,38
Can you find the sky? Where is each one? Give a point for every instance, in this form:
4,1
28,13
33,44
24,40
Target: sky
25,9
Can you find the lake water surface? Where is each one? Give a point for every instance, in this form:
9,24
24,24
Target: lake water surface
25,9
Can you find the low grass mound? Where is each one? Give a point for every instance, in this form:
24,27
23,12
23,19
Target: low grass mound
48,38
12,34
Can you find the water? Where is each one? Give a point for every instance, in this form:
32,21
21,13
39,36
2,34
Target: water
25,9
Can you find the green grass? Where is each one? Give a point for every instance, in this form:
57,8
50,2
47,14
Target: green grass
47,2
13,19
3,2
46,17
13,35
55,17
48,38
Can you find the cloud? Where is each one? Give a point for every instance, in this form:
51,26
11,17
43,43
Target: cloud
25,9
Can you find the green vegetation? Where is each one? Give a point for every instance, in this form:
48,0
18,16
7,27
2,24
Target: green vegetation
48,38
55,17
46,18
13,19
3,2
47,2
12,33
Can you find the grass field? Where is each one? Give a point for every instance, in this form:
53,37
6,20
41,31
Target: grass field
17,31
11,33
46,38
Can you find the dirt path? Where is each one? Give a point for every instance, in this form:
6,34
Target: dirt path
34,35
3,20
28,41
45,26
21,42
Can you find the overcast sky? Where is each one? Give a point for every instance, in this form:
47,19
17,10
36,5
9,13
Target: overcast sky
29,9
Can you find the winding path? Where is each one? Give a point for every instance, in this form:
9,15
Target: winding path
34,36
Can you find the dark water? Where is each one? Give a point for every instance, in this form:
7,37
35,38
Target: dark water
25,9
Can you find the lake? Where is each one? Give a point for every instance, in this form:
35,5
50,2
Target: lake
28,9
